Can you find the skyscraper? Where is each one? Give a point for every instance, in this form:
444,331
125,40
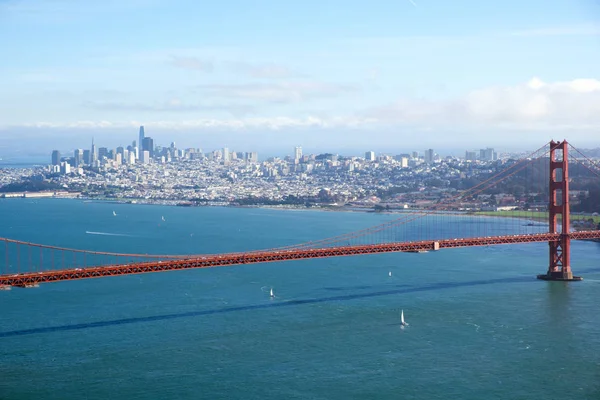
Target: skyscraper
370,156
487,154
93,154
148,145
55,157
78,157
297,153
470,156
86,157
142,136
102,152
429,156
225,154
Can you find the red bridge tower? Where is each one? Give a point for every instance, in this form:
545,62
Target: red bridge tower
560,251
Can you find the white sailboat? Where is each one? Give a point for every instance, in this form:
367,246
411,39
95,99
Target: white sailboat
163,218
390,273
402,322
114,214
272,295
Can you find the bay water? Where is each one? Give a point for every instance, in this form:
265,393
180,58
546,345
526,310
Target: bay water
481,325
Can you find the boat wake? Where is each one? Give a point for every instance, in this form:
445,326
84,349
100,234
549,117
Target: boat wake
106,233
475,325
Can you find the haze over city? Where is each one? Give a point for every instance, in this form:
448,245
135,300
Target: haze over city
331,76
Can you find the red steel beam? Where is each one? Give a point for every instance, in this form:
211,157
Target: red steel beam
30,279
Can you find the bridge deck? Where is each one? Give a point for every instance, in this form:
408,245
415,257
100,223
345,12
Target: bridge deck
33,278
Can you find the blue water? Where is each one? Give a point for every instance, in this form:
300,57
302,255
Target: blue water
480,326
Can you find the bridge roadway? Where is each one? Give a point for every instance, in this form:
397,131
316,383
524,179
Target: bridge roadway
34,278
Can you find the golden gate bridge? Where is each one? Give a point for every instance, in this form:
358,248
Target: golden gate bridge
542,182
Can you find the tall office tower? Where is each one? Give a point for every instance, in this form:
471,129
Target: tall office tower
55,157
404,162
120,150
65,168
94,153
429,155
253,156
136,152
415,154
141,138
102,152
132,157
78,157
145,157
370,156
297,153
470,155
148,145
487,154
86,157
125,156
226,154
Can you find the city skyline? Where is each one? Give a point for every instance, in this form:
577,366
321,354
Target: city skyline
26,154
438,74
143,150
113,157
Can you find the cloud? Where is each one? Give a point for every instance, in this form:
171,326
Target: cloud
271,123
535,105
192,63
174,105
284,92
38,77
263,71
531,105
258,71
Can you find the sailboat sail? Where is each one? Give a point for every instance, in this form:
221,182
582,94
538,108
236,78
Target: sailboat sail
402,318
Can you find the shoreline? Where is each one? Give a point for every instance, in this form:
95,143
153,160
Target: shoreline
536,216
284,207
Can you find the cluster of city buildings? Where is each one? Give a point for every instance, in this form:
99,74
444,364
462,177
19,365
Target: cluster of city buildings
149,173
168,174
141,151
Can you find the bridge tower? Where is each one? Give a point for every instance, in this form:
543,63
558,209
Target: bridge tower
560,252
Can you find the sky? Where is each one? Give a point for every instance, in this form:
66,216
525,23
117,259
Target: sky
329,75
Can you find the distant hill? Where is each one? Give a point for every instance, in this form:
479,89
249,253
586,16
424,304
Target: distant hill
592,153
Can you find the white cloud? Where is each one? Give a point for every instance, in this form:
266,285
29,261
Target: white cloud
284,92
532,105
271,123
263,71
193,63
173,105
